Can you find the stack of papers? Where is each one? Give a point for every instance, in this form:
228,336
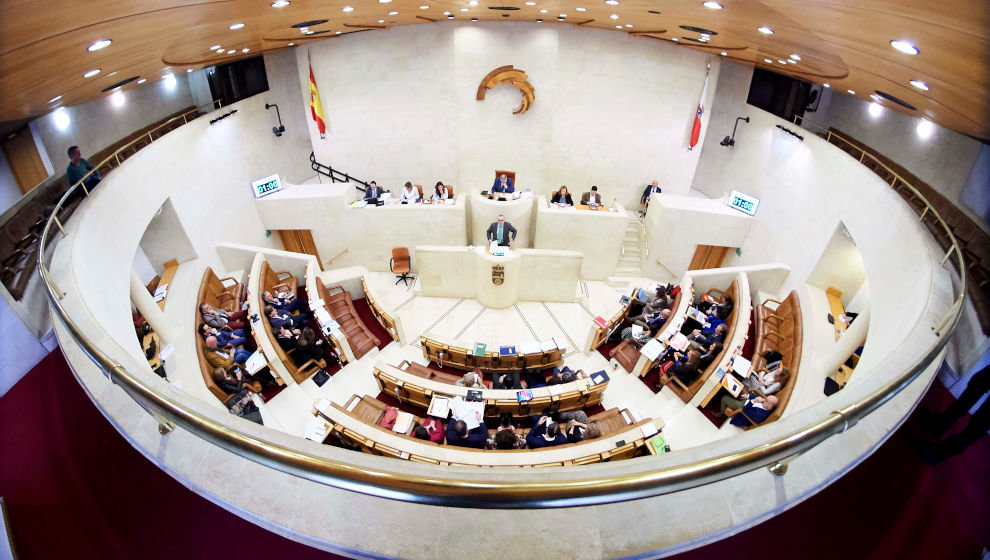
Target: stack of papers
403,423
652,349
464,410
315,304
256,362
316,429
548,345
741,366
528,347
679,342
439,407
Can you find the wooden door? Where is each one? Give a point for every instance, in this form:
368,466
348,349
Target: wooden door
24,160
299,241
708,256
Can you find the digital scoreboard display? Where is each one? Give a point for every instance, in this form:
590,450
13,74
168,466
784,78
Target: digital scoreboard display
266,186
744,202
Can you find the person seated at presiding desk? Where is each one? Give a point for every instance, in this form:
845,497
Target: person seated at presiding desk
503,185
502,232
562,197
282,319
440,192
226,356
591,197
285,303
458,434
219,318
235,337
755,408
409,194
545,433
373,191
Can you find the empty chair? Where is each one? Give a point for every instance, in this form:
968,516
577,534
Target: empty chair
399,264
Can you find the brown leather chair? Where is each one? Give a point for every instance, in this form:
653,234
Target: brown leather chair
399,264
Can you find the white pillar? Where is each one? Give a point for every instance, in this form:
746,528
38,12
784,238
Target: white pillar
853,338
153,314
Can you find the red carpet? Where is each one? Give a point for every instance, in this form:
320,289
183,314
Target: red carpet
76,489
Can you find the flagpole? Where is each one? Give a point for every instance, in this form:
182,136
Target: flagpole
696,128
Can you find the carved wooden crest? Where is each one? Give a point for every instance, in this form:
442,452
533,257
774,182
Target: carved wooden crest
498,274
508,75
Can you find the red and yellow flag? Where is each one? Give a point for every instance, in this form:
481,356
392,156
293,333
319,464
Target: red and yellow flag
314,103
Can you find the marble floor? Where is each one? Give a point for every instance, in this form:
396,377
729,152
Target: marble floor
465,321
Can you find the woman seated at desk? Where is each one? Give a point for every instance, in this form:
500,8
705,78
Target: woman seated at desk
308,347
562,197
440,192
685,368
410,194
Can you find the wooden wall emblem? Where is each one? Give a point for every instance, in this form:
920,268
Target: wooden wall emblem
498,274
508,75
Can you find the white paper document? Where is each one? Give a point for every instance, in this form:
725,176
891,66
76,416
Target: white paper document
464,410
652,349
316,429
256,362
166,352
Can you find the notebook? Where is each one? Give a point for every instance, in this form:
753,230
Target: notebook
525,395
507,351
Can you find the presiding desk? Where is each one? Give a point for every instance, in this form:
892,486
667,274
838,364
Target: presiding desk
498,281
596,234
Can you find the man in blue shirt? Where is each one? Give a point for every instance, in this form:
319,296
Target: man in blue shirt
78,167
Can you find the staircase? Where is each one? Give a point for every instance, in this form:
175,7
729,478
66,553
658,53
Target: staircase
631,259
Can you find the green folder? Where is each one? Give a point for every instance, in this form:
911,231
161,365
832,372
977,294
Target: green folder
659,444
479,348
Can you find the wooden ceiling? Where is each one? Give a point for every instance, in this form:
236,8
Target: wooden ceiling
845,43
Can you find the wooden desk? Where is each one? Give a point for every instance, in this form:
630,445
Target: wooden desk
586,207
838,311
166,280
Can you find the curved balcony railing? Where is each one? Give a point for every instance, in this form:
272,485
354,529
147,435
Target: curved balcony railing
445,488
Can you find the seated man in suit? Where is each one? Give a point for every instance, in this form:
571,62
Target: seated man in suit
289,305
224,357
458,434
653,187
754,408
545,433
502,184
701,340
502,232
373,191
282,319
593,196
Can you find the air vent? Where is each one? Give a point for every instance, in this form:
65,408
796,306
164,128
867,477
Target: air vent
121,83
900,102
310,23
698,30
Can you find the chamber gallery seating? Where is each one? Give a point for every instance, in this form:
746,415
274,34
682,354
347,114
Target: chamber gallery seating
356,425
779,327
338,303
277,282
383,318
213,291
466,359
627,352
734,320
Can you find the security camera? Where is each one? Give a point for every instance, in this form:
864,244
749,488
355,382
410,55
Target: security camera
278,130
727,142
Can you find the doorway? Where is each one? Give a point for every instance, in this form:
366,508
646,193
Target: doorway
299,241
708,256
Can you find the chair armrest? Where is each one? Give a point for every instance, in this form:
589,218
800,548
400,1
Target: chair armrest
224,296
283,285
403,365
771,300
678,382
312,364
231,278
768,334
278,275
720,293
391,262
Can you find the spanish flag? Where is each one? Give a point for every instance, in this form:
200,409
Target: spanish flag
314,103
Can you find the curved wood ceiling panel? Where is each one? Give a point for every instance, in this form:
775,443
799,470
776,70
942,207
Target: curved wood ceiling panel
844,42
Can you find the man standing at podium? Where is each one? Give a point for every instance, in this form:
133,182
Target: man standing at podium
502,184
501,231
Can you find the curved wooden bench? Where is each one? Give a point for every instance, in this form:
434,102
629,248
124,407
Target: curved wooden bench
384,319
283,281
213,292
779,327
274,281
491,362
687,392
621,438
627,353
341,308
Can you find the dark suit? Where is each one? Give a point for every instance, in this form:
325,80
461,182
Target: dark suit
586,198
497,187
508,232
567,199
373,192
646,193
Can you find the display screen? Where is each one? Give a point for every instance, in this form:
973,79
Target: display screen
267,186
744,202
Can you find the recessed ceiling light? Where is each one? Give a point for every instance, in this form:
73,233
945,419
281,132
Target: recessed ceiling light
578,9
628,25
61,117
465,9
230,52
292,44
925,128
101,44
614,16
91,73
393,13
905,47
245,49
712,5
875,110
765,30
618,27
169,80
424,7
384,1
236,26
530,3
782,61
280,3
188,70
348,9
214,47
221,51
723,53
473,3
338,32
54,99
826,84
796,57
543,11
768,61
851,91
792,61
383,21
703,40
612,2
920,85
446,13
674,39
142,80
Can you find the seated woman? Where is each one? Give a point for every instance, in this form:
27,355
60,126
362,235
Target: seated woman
219,318
471,380
685,368
579,426
308,347
431,430
562,197
708,357
440,192
410,194
505,436
243,406
768,382
545,433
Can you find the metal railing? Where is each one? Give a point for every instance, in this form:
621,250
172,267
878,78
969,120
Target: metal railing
443,488
334,174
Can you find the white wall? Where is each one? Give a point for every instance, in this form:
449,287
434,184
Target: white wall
729,103
839,266
97,124
611,109
943,160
